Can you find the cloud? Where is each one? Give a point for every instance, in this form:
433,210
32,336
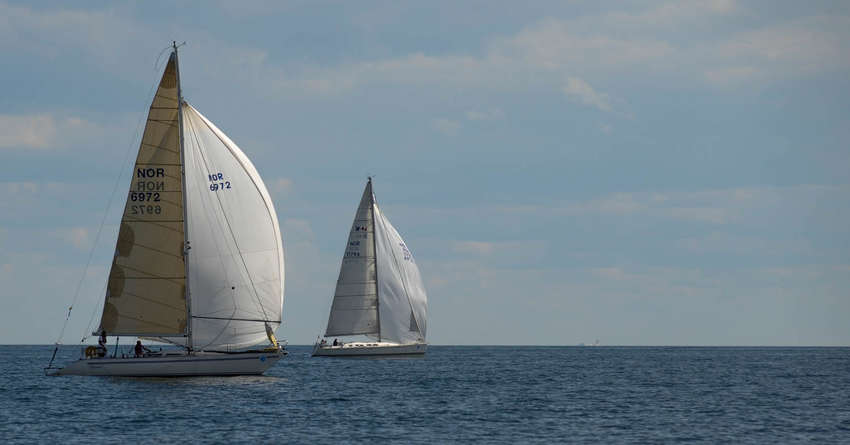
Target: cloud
446,126
669,14
74,236
521,253
474,247
42,131
579,89
298,230
32,131
283,186
731,75
491,114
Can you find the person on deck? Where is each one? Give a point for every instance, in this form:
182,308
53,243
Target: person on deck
140,350
335,342
101,344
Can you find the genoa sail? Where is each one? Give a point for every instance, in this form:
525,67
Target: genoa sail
236,264
146,288
403,302
355,304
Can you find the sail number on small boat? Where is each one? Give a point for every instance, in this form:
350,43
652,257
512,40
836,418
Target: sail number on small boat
218,182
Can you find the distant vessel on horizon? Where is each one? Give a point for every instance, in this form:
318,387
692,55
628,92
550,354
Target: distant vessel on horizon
379,293
215,297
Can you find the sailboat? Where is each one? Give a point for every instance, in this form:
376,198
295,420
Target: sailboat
199,259
379,293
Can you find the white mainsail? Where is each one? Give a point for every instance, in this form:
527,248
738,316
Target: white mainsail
379,291
230,235
355,305
146,289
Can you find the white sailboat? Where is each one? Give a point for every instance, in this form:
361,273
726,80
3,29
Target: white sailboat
379,293
199,259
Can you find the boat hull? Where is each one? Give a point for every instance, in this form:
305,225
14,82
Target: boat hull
370,350
173,365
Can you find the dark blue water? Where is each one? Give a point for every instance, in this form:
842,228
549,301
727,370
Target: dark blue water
454,394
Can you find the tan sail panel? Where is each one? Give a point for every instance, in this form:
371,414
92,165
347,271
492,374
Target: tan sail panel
146,292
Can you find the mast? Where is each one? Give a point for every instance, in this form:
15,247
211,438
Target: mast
186,245
375,255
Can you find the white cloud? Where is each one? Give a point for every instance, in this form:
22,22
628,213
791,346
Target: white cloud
75,236
282,186
668,14
446,126
18,188
491,114
474,247
32,131
577,88
298,230
42,131
731,75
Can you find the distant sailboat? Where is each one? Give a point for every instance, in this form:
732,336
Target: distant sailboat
379,292
199,258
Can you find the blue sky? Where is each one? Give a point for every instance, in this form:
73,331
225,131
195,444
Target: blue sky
642,173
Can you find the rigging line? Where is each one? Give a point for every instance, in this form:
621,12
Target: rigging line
230,228
121,173
100,229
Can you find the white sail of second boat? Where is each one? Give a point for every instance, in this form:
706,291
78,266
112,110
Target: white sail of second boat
379,292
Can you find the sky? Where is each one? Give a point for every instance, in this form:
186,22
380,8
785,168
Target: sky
641,173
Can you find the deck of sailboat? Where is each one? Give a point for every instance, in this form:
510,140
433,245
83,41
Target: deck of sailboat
177,364
369,349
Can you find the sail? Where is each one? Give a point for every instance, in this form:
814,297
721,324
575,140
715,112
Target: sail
354,307
146,287
403,302
236,266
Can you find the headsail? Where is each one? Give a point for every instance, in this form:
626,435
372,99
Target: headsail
355,306
236,265
146,289
403,302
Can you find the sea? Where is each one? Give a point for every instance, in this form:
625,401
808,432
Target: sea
455,394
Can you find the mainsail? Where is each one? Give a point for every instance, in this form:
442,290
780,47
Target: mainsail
355,305
379,291
146,289
230,237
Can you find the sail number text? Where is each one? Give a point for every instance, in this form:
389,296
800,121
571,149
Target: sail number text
217,182
149,183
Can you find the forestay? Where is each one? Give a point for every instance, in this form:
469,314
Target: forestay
354,307
146,287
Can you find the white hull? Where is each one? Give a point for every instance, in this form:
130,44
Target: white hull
175,365
363,349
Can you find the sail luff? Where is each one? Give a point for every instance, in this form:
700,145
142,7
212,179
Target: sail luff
181,137
372,204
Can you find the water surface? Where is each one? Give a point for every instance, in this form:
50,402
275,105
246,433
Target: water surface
454,394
